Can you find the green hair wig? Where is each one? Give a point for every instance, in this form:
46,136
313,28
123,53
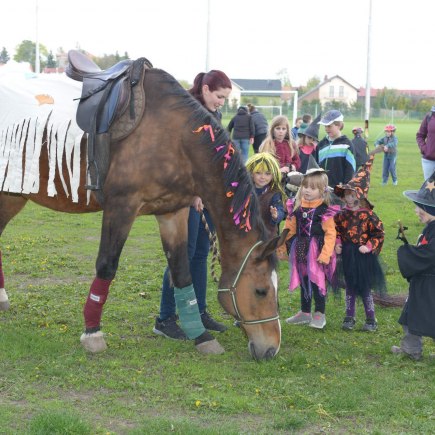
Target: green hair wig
266,162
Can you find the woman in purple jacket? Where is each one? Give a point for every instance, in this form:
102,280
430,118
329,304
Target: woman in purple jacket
426,142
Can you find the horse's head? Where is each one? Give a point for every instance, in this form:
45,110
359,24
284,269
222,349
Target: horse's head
253,299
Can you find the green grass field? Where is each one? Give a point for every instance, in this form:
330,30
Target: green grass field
325,381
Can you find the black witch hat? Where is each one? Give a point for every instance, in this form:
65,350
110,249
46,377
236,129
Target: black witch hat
313,129
425,197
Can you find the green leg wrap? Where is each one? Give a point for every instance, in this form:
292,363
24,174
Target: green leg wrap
188,311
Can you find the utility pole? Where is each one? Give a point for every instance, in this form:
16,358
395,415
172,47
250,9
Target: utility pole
207,49
37,65
368,90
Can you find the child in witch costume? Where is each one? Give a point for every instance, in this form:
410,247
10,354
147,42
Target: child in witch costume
360,236
417,265
307,143
312,237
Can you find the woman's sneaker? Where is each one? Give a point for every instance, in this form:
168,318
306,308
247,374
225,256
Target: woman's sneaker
370,325
318,321
300,318
169,328
348,323
211,324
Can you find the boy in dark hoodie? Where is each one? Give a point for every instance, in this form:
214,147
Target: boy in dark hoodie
336,153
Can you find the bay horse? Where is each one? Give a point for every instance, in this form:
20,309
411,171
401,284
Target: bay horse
177,151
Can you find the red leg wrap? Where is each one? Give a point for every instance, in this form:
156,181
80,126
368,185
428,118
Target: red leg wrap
2,277
94,304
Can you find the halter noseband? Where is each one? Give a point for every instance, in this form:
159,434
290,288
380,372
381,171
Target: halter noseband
233,288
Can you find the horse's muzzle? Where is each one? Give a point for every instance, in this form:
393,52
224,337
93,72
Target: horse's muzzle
260,355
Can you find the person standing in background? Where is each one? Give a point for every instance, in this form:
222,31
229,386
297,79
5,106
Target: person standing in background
426,143
295,129
306,121
279,143
389,143
244,131
336,150
260,124
360,147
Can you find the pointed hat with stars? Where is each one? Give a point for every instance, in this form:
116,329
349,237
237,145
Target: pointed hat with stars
360,183
425,197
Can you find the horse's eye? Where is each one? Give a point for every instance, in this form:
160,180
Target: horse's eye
261,292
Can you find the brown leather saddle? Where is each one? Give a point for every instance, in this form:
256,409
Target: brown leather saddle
102,110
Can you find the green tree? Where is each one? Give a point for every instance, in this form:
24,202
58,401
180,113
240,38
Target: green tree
51,62
424,105
386,99
283,76
312,83
109,60
185,84
337,105
312,107
4,56
26,52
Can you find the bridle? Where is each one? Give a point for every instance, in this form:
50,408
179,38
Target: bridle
233,288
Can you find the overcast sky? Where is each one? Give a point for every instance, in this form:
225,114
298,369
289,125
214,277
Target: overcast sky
248,38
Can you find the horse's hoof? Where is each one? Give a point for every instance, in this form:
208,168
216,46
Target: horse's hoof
93,342
212,347
4,301
4,306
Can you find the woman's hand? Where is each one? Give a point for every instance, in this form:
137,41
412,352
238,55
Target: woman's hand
197,204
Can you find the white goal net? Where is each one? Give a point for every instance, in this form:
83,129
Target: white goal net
270,111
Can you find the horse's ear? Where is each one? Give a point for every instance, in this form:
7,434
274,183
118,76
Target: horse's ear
271,246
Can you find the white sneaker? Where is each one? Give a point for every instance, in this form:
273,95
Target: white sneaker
300,318
318,321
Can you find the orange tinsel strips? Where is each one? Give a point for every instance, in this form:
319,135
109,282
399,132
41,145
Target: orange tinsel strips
228,154
206,127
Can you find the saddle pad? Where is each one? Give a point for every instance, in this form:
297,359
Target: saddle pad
125,125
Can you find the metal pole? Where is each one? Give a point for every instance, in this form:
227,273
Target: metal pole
295,107
368,90
207,52
37,63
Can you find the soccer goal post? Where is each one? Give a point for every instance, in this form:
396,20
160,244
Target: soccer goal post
269,111
275,94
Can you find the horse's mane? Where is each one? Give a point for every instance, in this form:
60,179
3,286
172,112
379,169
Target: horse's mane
237,180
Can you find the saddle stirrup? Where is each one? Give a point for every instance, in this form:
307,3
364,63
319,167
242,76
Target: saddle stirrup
97,176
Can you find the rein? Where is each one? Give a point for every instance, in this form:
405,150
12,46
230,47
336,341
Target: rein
216,258
233,288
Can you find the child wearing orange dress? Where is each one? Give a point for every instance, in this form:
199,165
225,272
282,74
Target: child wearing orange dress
312,238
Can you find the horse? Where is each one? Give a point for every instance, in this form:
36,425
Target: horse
176,152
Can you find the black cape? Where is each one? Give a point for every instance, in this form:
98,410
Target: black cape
417,265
